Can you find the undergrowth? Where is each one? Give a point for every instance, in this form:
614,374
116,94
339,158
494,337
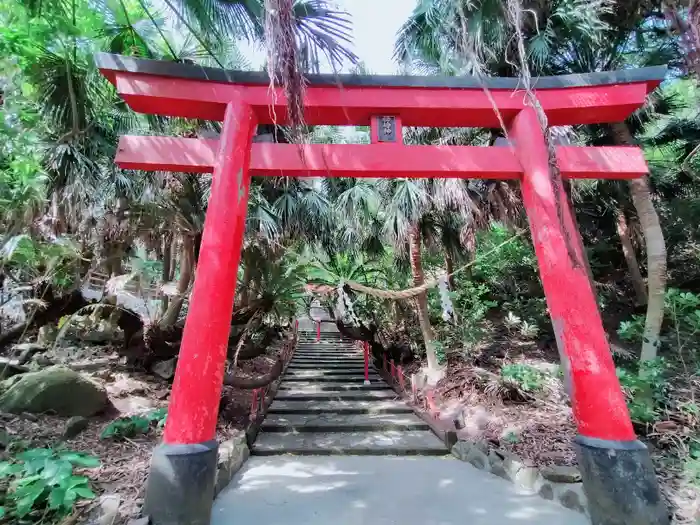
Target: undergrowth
40,484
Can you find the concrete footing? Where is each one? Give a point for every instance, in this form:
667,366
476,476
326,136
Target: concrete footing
620,483
180,487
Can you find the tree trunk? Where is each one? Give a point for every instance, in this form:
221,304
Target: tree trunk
449,268
165,275
244,298
183,283
422,299
640,287
656,251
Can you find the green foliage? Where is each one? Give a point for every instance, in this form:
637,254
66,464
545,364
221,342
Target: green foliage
646,389
127,427
440,352
31,259
682,331
43,480
526,377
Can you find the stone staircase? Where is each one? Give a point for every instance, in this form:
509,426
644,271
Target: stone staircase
323,407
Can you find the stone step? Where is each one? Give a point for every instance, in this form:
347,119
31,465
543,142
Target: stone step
310,386
305,394
376,406
317,353
316,350
333,372
312,355
327,366
325,361
331,353
328,379
341,422
391,442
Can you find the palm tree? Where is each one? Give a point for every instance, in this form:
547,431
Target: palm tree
459,37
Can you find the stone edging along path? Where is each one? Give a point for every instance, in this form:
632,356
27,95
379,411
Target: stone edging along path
235,451
561,484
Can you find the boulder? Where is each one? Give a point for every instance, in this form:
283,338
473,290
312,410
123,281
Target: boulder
562,474
55,389
165,369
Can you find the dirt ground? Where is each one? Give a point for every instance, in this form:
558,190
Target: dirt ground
125,461
538,428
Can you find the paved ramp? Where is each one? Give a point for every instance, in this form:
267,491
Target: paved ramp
336,451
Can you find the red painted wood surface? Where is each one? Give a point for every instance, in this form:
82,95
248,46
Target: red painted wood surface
376,160
355,105
196,391
598,402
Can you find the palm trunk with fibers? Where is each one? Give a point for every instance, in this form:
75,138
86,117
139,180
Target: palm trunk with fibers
449,268
656,251
168,242
183,283
244,298
640,287
422,299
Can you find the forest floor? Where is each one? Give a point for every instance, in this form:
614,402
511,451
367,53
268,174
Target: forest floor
125,460
532,416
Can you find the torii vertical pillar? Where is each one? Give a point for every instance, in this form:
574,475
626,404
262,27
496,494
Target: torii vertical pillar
180,485
617,472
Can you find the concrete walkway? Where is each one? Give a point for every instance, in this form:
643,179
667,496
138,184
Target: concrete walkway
365,490
334,450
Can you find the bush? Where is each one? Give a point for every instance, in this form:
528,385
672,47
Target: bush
527,378
42,480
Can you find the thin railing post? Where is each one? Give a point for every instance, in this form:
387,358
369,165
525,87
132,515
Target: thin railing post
366,354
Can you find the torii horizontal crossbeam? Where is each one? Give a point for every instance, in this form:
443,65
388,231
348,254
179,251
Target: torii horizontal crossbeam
154,153
184,90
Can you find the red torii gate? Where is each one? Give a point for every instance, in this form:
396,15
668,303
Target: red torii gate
617,472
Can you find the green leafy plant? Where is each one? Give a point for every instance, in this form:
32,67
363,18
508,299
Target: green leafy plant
526,377
43,479
646,389
127,427
440,352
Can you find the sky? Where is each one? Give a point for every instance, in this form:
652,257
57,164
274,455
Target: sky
375,23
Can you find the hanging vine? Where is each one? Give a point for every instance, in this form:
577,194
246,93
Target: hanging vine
283,61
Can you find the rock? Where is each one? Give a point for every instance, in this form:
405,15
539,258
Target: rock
75,426
546,491
497,468
165,369
109,509
47,335
232,454
527,478
572,497
478,459
461,449
55,389
140,521
562,474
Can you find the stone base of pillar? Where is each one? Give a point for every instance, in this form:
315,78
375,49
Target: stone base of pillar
620,483
180,487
